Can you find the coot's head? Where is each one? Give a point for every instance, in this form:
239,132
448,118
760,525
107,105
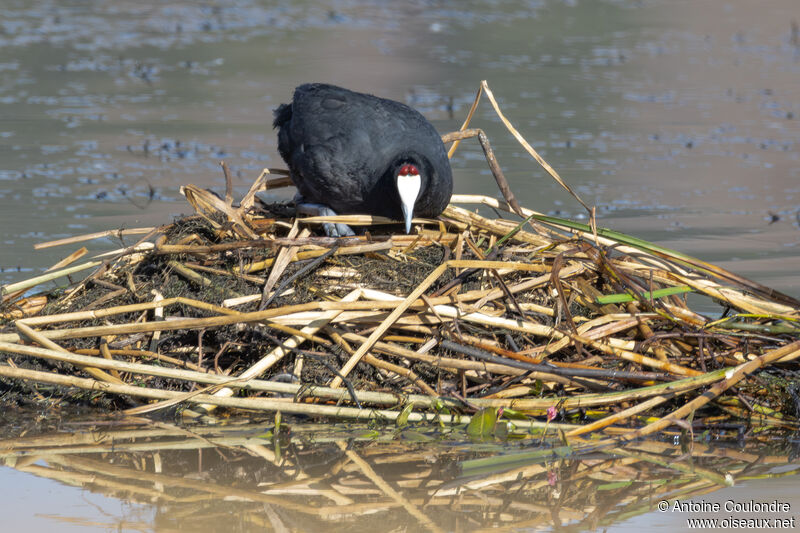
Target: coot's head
409,183
411,186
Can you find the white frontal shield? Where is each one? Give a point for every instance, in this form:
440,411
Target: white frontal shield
408,186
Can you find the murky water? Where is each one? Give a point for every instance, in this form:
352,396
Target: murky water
678,122
678,119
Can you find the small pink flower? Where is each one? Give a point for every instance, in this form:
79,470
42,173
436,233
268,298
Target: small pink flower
551,413
552,478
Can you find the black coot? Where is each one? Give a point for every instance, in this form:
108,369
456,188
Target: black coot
357,153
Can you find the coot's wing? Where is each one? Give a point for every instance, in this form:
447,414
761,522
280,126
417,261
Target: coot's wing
331,135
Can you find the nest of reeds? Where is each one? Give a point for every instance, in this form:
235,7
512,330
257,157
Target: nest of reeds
519,318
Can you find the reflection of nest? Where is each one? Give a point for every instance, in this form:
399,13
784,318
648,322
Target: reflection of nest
509,318
322,478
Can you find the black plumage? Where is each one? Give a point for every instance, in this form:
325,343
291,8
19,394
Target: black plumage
345,150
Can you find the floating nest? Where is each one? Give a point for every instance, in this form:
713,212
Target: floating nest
517,321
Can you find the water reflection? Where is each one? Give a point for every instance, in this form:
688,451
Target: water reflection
311,477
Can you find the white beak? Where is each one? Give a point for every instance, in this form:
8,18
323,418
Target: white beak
408,186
